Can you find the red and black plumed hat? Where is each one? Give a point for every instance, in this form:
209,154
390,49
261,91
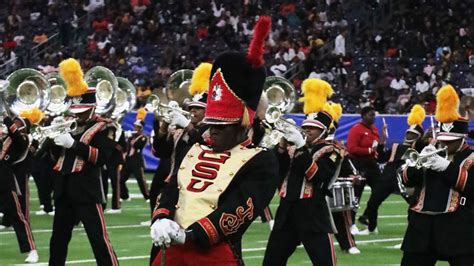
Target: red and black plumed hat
451,125
237,81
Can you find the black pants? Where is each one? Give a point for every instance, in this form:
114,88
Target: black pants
343,222
383,189
430,258
112,171
92,217
158,182
22,175
284,240
135,168
44,180
12,210
371,172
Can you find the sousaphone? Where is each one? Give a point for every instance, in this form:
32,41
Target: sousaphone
106,85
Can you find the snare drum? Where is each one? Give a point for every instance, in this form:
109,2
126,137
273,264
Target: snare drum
343,197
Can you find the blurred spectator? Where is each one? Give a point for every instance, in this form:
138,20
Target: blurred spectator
340,44
278,68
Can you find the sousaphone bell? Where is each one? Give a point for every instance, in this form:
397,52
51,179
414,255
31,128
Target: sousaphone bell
106,85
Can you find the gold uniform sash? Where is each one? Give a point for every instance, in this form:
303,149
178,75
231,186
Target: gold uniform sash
203,176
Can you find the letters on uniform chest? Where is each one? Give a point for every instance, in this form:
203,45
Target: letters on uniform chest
203,176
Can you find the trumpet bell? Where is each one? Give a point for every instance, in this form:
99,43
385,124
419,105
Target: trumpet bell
280,93
125,99
106,85
27,88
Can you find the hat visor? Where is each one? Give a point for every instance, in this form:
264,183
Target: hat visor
197,104
138,123
413,131
313,123
449,136
77,109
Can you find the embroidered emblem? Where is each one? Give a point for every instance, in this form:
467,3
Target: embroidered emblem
230,223
217,93
77,100
447,127
197,97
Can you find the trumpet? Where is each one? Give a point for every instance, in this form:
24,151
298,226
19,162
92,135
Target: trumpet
165,111
58,127
414,159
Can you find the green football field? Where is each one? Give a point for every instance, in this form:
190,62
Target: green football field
131,240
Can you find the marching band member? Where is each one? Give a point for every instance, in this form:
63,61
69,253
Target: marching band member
113,167
78,192
171,143
342,219
134,158
14,147
441,222
388,182
307,168
362,142
219,189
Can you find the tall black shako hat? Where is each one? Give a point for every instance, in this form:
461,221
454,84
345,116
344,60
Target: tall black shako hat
451,125
237,81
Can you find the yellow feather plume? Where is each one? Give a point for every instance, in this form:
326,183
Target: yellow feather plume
71,72
200,79
417,115
447,104
316,92
141,114
328,109
337,110
34,115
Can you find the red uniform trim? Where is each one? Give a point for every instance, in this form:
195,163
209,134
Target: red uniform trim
93,153
210,230
161,211
333,253
463,173
312,169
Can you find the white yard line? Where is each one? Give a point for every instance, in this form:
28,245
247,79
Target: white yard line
78,229
337,244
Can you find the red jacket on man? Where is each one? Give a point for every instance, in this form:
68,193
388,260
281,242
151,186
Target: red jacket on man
361,139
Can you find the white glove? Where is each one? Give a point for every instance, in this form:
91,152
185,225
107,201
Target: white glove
178,119
438,163
179,237
127,134
160,232
64,140
427,150
294,136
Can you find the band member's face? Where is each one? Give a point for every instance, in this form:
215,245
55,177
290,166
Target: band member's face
19,124
369,118
197,114
83,117
225,137
312,133
137,128
452,145
411,136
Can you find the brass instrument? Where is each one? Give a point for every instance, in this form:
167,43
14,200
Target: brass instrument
177,95
27,88
58,126
281,97
164,111
414,159
106,85
59,102
125,99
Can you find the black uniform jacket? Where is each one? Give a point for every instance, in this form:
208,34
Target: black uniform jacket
250,190
444,214
79,175
305,179
135,145
14,148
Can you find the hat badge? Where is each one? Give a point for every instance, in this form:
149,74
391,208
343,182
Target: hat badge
197,97
217,93
447,127
76,100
